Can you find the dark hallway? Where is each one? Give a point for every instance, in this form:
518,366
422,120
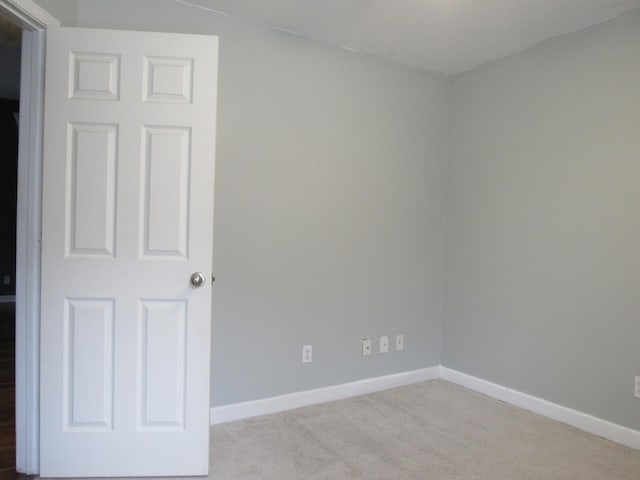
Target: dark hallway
8,182
7,390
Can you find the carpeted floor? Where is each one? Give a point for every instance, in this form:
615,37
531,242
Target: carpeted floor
428,431
432,430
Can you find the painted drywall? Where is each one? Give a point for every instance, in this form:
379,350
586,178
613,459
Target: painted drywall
329,215
63,10
543,237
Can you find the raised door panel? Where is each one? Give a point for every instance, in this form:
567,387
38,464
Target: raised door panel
91,189
162,350
168,80
166,191
88,364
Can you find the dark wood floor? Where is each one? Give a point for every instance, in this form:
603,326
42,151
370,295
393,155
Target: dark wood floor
7,391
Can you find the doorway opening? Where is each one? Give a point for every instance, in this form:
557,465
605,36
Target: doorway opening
10,53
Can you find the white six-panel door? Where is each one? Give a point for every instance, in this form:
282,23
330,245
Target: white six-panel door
127,219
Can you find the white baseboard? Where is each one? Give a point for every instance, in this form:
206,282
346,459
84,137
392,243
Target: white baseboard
603,428
237,411
588,423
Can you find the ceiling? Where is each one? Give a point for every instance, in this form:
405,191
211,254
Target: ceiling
444,36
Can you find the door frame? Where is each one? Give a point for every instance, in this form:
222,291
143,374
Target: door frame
34,20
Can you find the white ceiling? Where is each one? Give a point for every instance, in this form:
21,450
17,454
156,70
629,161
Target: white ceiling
444,36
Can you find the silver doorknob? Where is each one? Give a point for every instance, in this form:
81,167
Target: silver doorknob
197,279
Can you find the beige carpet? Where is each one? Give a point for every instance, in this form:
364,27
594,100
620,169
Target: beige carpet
432,430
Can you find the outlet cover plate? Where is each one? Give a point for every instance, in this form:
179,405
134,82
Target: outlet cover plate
307,353
366,347
384,344
399,342
637,389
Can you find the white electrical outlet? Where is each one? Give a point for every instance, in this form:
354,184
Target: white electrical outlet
399,342
637,390
307,352
366,347
384,344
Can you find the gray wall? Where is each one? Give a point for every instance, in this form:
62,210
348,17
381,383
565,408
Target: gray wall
329,204
543,257
63,10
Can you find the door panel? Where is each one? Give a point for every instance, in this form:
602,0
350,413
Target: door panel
162,361
88,364
127,218
167,164
92,189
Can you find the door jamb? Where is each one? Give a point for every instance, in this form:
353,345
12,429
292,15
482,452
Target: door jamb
34,21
